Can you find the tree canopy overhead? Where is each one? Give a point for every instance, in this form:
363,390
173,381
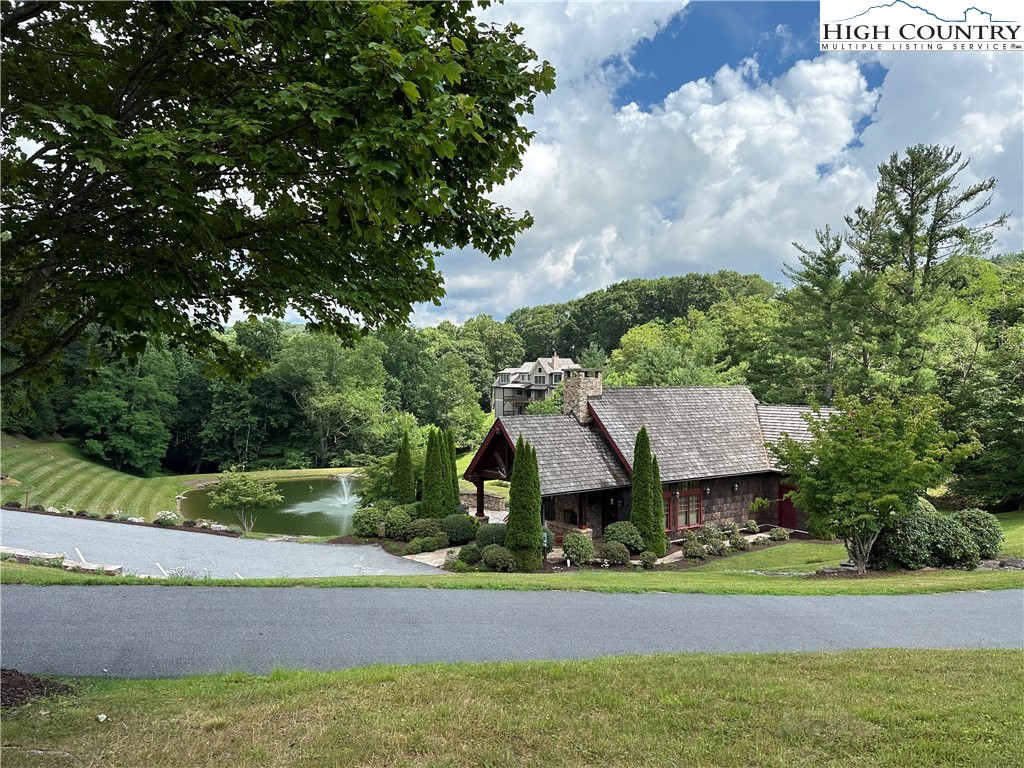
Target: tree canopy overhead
165,162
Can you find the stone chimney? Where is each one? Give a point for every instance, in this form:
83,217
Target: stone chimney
581,384
554,362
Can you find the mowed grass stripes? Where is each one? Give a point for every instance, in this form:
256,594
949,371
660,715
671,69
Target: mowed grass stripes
56,474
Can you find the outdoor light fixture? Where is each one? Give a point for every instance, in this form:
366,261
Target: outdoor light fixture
735,487
707,490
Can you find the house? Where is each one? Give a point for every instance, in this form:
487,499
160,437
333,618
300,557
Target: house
515,388
711,444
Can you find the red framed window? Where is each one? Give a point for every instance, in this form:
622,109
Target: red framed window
683,506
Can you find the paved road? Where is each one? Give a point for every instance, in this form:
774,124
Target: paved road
177,631
139,549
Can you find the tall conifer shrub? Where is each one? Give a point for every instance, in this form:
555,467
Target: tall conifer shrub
405,479
523,537
436,486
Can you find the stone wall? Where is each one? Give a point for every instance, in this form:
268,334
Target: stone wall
580,386
492,501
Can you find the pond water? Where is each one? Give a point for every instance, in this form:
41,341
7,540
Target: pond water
311,507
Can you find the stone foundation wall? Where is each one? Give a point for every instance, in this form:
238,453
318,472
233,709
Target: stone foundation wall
492,502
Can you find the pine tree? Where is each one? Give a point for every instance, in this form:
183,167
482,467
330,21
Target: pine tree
435,485
446,470
523,537
405,479
450,455
657,543
643,488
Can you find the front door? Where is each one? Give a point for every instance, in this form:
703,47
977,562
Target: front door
787,512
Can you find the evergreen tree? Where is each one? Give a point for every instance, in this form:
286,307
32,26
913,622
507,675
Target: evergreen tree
405,479
524,532
435,484
450,457
643,488
656,541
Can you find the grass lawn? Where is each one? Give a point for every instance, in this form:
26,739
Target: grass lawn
851,709
692,581
794,557
1013,529
56,474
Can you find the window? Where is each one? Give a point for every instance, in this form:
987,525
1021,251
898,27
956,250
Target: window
524,377
555,378
540,379
503,378
683,506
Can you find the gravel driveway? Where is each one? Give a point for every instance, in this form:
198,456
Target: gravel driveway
143,550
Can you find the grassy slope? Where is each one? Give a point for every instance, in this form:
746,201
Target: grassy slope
1013,529
853,709
56,474
462,464
595,580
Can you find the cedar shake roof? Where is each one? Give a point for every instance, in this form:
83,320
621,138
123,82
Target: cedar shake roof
779,420
571,457
696,432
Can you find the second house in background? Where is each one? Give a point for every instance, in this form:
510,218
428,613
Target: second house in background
515,388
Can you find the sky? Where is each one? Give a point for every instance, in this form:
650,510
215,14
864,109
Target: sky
692,137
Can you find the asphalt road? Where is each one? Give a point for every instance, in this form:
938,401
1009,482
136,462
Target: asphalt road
178,631
144,550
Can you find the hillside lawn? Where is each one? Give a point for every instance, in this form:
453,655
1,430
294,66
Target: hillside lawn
55,474
854,709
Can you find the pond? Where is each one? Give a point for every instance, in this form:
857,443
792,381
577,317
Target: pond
311,507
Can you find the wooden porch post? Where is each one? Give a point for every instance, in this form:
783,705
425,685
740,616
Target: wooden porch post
479,481
581,508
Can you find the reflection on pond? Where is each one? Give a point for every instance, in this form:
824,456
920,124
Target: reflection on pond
311,507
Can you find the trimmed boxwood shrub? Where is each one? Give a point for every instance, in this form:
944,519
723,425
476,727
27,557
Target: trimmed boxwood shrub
366,522
470,554
952,544
425,544
396,524
740,543
626,534
424,527
984,529
694,549
648,560
578,548
615,553
491,533
498,558
708,533
459,527
778,534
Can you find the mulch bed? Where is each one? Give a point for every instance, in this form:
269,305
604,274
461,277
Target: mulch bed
17,688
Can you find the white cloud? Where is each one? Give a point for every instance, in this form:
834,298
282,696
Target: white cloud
726,172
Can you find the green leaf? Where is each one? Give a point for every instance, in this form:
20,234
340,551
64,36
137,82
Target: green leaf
411,91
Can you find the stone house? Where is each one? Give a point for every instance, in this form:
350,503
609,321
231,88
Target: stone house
515,388
711,444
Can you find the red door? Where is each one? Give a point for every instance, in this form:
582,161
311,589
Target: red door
787,512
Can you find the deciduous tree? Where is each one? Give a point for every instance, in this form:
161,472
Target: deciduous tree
244,495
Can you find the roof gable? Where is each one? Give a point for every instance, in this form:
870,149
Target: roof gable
779,420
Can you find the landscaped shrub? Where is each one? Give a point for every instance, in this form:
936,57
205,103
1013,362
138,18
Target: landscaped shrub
167,517
952,544
37,508
85,513
626,534
738,542
13,504
425,544
424,527
470,554
414,510
396,524
688,534
498,558
921,504
729,528
903,542
778,534
984,529
366,522
491,533
693,549
716,548
648,560
186,523
753,526
459,527
708,533
578,548
615,553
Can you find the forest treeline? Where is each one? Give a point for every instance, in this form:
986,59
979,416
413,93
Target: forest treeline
901,299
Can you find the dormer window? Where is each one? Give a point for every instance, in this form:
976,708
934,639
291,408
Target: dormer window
524,377
555,378
503,378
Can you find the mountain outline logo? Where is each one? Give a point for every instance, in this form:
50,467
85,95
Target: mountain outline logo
903,4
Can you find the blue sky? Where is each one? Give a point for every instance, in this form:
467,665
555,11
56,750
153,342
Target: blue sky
711,135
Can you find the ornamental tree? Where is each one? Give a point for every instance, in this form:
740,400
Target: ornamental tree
867,464
165,163
654,536
449,444
244,495
436,486
643,496
525,529
404,478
